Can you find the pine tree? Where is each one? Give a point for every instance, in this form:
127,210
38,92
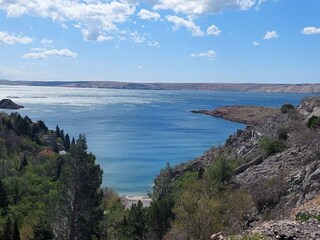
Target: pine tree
79,208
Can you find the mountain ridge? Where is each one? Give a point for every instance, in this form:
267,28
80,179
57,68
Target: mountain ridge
236,87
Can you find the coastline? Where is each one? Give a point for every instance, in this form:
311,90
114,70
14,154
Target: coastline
128,200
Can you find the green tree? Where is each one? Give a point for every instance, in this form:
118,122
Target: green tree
136,222
159,216
57,132
162,184
79,207
66,142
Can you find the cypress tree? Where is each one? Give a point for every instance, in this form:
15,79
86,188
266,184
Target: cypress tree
57,132
66,142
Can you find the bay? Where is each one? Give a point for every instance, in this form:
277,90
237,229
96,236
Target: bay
134,133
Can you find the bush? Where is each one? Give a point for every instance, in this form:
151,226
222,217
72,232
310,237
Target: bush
272,146
286,108
267,194
313,122
283,134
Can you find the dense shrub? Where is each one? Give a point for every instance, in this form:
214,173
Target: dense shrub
283,134
286,108
272,146
313,122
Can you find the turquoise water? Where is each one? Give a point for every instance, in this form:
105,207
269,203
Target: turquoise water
133,133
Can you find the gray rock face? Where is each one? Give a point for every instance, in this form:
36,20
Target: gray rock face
9,104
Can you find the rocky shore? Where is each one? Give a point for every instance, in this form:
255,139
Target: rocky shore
287,181
250,115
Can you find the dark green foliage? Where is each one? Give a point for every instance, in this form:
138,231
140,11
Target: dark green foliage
66,142
160,216
79,211
218,174
283,134
304,216
42,126
135,224
16,232
24,163
163,182
3,197
57,132
313,122
272,146
286,108
7,230
200,173
42,231
58,168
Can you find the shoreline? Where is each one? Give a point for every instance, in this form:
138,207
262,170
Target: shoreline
128,200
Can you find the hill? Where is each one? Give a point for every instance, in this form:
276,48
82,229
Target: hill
238,87
272,167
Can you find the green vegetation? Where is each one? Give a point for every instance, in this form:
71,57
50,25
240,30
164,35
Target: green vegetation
306,216
287,108
313,122
44,195
272,146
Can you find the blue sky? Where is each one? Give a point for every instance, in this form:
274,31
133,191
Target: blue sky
256,41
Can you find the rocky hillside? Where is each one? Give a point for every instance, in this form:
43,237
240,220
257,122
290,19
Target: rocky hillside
278,159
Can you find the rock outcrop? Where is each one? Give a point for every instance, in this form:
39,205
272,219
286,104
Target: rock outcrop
9,104
281,182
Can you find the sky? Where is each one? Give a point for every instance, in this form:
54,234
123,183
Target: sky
214,41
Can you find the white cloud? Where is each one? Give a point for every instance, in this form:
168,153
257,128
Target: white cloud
104,15
65,26
255,43
37,49
310,30
139,67
47,41
136,37
95,35
52,52
199,7
213,30
148,15
210,54
180,22
271,35
12,39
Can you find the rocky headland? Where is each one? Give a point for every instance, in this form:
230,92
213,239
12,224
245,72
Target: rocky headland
9,104
279,164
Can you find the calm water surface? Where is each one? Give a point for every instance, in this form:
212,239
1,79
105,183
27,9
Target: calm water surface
133,133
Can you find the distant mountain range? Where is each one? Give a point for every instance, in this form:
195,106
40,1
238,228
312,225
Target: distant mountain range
237,87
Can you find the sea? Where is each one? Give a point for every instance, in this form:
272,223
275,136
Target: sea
134,133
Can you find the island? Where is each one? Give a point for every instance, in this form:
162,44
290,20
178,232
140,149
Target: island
9,104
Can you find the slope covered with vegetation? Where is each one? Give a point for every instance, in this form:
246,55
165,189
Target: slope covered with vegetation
263,183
